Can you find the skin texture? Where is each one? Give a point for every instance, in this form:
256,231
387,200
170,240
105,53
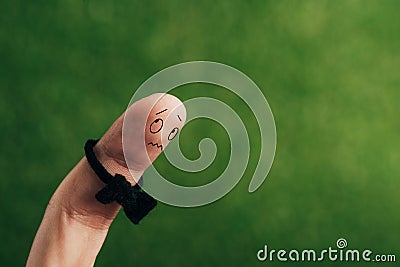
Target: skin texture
75,224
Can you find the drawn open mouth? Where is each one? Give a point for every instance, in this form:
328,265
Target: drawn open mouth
155,144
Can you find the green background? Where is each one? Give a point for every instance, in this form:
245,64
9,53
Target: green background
329,69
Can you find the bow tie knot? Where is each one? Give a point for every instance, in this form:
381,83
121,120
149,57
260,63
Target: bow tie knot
133,199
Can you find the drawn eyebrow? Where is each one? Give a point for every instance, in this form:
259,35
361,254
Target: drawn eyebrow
179,118
161,111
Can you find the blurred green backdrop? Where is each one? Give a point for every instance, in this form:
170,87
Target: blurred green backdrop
329,69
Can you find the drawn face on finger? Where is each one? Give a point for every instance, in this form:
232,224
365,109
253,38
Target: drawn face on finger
149,125
163,124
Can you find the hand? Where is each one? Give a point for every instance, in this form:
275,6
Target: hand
75,224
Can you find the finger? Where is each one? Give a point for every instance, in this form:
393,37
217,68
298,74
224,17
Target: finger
150,124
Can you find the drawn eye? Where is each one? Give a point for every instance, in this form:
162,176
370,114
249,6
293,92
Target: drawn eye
156,125
173,133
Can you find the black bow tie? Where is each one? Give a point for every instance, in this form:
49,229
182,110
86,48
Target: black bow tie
133,199
136,203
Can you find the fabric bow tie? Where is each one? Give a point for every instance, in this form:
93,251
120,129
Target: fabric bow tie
136,203
133,199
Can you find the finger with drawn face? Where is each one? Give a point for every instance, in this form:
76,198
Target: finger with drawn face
149,125
163,124
75,224
139,135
